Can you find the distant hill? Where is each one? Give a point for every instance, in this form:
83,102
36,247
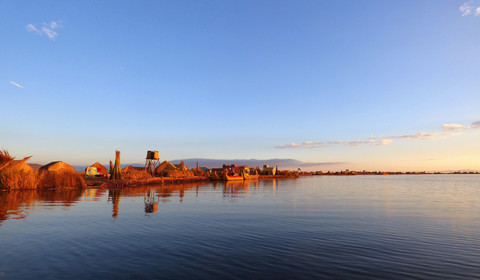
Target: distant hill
35,166
281,163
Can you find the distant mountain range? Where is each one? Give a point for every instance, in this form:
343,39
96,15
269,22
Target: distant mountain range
212,163
281,163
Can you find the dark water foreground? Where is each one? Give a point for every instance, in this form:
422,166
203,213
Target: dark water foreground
359,227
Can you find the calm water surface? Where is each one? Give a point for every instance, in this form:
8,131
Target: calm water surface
356,227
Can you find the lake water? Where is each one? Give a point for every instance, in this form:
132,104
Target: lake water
355,227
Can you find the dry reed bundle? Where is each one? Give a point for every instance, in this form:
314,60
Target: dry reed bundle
5,159
117,171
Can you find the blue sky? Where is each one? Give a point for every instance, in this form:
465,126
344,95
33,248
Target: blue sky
345,81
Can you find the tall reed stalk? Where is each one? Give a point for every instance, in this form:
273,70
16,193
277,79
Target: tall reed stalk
117,171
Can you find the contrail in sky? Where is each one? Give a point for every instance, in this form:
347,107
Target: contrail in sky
15,84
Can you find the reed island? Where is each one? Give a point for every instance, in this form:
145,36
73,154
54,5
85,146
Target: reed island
58,175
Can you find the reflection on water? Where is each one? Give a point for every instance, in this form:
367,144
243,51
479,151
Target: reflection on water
369,227
14,204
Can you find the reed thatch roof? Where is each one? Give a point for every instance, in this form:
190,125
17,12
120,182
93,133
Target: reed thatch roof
129,168
57,166
164,166
18,166
100,168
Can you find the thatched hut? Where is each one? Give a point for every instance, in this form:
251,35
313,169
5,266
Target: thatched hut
163,168
100,168
59,175
17,174
57,166
19,166
181,171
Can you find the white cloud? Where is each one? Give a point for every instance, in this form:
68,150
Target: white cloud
311,144
47,29
450,127
308,144
31,27
466,8
386,141
423,135
449,130
15,84
453,127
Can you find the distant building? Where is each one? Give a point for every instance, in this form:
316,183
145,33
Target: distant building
269,170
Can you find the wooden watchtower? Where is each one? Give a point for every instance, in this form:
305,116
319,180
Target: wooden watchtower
152,161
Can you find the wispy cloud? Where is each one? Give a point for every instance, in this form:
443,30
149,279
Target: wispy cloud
47,29
453,127
420,136
448,131
311,144
15,84
468,8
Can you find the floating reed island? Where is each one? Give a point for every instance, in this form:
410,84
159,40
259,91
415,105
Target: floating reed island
17,174
58,175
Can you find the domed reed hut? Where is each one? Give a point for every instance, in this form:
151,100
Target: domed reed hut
59,175
16,174
163,168
57,166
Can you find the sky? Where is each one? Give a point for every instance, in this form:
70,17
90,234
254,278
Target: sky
374,85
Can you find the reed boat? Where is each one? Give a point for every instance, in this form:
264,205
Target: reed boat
233,177
250,176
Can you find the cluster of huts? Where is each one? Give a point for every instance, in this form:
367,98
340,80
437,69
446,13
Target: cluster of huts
165,169
17,174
